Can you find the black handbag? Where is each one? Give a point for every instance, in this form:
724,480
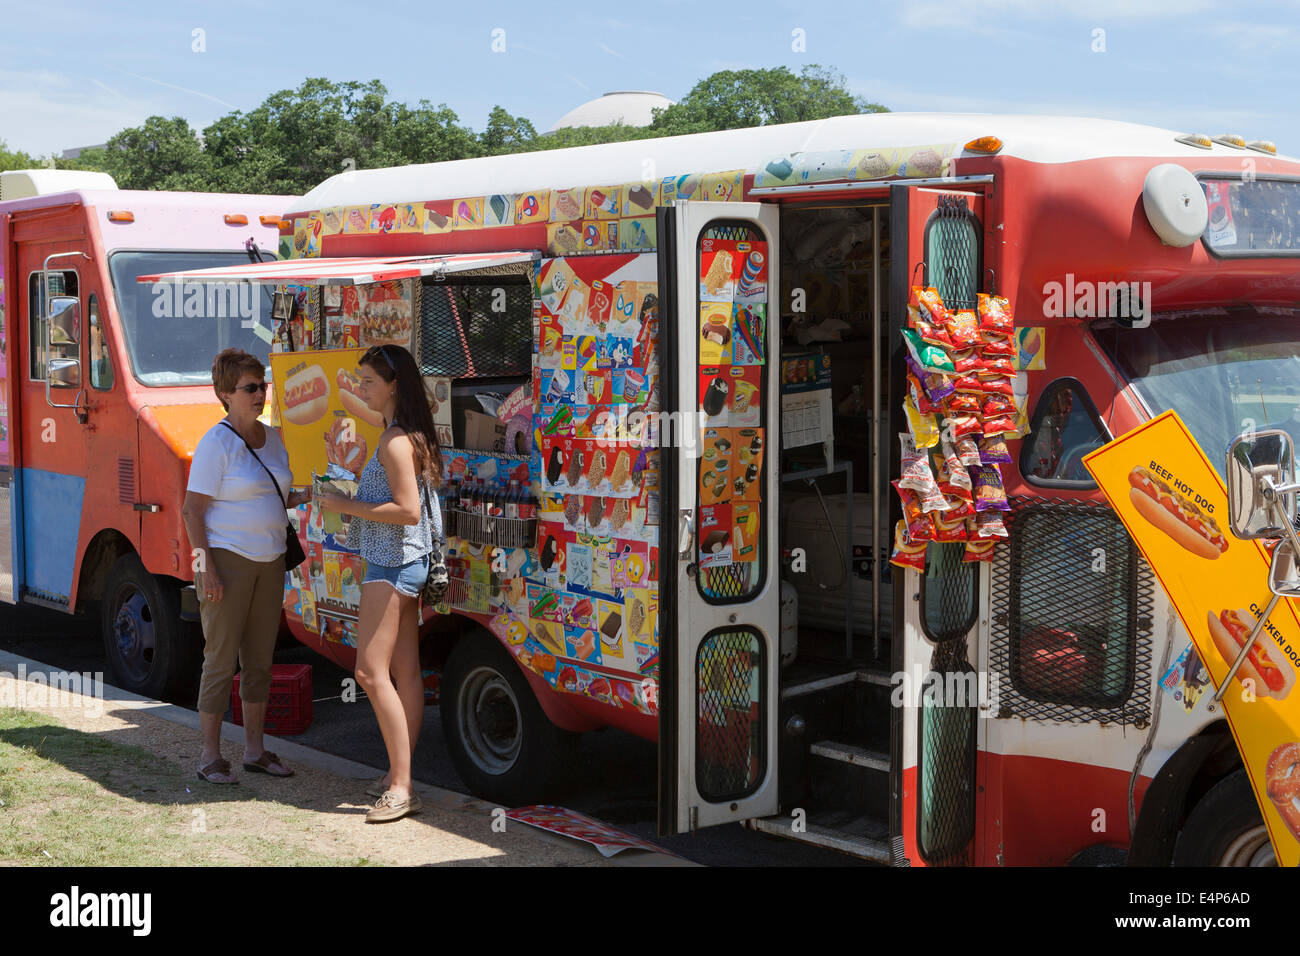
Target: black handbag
435,585
294,555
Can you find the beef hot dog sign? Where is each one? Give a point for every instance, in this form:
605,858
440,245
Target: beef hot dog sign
1171,498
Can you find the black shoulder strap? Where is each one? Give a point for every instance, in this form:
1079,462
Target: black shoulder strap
259,461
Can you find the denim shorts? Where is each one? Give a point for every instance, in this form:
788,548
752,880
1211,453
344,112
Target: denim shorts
406,579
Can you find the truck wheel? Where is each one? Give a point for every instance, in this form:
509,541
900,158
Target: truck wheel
150,650
500,740
1225,828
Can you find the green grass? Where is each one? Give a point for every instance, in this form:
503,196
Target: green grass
68,798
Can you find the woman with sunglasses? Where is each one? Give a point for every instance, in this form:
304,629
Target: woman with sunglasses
235,519
397,517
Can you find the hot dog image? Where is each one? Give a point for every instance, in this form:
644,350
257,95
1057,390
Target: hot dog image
344,447
1282,783
349,384
306,395
1173,514
1263,666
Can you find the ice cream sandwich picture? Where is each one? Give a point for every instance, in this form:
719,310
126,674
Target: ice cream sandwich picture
610,628
715,398
715,541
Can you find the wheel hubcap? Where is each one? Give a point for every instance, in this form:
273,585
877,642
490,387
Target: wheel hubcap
491,725
1252,848
134,628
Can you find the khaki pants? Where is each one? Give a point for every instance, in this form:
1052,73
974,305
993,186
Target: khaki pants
241,627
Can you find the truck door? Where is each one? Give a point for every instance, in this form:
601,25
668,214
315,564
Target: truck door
53,453
939,241
719,594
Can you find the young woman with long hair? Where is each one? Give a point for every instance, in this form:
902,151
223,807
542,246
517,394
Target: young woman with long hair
397,521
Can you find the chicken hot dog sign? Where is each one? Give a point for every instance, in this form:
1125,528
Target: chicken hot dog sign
323,419
1174,504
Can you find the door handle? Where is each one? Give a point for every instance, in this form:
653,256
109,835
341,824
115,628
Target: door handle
686,534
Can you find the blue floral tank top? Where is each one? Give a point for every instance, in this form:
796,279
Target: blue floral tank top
392,545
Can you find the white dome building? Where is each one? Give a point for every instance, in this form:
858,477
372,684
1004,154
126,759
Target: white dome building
631,107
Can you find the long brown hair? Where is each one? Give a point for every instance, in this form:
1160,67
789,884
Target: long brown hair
412,415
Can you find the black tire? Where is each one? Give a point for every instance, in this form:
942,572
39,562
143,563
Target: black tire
150,650
500,740
1225,828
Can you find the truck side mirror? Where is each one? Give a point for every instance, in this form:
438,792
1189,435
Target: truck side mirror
64,325
1261,484
1283,576
64,373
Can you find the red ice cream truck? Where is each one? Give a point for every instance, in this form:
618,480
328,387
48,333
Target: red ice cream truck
105,389
676,379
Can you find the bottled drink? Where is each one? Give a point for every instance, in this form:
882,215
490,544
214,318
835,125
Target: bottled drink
451,504
512,501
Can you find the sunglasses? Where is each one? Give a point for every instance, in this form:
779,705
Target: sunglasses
251,389
380,350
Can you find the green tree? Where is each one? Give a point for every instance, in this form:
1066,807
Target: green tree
161,154
737,99
426,134
14,159
507,134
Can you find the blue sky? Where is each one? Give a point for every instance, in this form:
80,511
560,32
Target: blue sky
74,73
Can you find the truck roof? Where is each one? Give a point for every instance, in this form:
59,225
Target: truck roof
1043,139
171,220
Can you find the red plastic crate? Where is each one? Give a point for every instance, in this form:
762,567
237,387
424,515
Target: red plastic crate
288,709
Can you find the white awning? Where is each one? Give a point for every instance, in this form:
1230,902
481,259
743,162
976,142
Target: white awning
346,271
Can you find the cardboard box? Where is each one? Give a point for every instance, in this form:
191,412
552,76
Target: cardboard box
484,433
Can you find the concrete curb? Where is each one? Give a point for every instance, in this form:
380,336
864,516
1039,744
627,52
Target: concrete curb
330,763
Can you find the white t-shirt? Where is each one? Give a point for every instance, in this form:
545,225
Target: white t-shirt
246,515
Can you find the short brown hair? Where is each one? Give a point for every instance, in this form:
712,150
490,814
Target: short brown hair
229,367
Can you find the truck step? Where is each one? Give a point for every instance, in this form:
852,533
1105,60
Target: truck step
864,839
835,680
851,754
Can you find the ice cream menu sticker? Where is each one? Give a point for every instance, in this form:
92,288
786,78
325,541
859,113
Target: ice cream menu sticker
1174,505
732,299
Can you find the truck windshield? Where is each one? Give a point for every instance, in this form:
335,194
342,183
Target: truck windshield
173,330
1224,371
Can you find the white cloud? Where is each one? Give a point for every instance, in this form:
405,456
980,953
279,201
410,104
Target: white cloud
1253,123
173,86
1253,39
47,112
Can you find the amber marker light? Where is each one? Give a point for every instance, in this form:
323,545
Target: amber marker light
1263,146
233,219
121,215
984,144
269,220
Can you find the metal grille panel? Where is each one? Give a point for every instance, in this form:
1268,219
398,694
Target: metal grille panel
729,745
1071,628
478,329
949,592
946,758
952,252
